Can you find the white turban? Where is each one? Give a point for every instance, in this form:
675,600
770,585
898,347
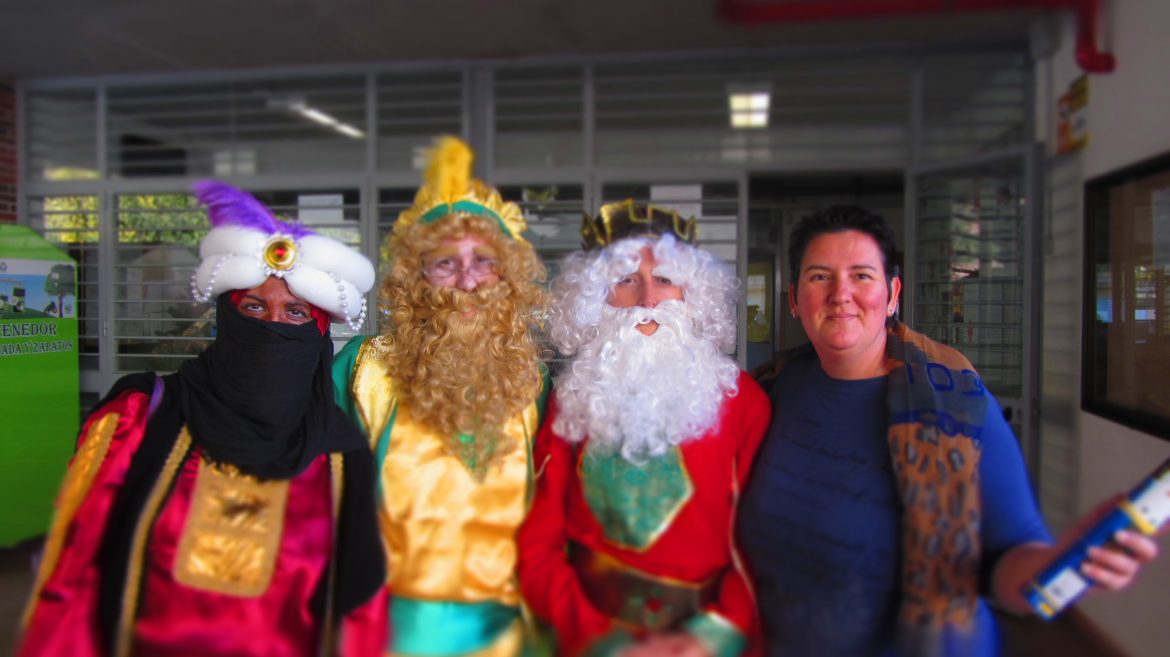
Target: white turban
247,244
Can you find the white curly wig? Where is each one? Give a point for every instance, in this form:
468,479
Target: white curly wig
582,286
635,393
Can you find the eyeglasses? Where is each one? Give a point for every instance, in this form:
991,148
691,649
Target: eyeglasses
480,267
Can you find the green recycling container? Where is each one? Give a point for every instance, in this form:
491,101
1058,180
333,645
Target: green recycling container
39,379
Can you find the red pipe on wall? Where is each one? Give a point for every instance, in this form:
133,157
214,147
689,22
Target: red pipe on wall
1088,12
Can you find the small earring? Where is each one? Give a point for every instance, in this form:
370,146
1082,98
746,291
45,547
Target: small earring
793,313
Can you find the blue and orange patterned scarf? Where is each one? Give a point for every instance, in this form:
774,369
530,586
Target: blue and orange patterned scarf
937,406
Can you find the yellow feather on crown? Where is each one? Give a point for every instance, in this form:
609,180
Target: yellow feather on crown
449,190
449,170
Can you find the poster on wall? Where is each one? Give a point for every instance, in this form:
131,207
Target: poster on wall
31,289
1072,132
39,378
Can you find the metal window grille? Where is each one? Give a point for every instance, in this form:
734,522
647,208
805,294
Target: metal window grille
553,213
61,140
969,276
239,127
540,114
412,108
974,104
830,111
72,223
156,323
593,129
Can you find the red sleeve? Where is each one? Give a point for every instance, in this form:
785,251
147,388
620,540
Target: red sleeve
62,614
549,583
749,419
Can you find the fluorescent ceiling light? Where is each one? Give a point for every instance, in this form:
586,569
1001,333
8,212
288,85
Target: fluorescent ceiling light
317,116
327,120
349,130
750,101
749,105
749,119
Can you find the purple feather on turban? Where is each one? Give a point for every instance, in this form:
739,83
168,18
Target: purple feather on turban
227,206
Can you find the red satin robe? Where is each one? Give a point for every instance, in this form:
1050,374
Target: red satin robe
697,546
174,619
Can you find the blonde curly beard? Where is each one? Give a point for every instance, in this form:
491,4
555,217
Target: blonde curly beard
464,362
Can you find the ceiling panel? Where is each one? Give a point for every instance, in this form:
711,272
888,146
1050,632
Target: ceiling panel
53,38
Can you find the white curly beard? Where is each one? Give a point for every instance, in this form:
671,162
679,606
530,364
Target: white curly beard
643,394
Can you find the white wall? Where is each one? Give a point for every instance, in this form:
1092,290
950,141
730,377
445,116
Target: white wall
1085,458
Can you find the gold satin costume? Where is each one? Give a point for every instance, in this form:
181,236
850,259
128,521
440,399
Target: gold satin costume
450,532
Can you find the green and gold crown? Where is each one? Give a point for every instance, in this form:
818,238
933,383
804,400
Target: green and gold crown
448,190
618,221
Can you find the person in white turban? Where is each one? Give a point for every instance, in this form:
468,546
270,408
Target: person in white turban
228,508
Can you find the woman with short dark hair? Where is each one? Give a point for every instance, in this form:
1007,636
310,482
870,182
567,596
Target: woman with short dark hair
890,500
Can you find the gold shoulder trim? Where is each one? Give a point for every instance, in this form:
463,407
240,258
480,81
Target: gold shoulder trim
337,487
373,387
138,547
337,477
78,480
